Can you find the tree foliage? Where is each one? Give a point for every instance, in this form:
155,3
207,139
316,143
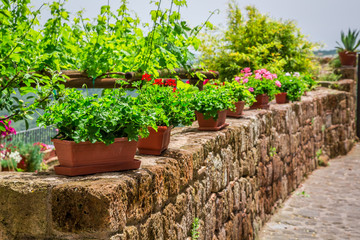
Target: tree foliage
256,41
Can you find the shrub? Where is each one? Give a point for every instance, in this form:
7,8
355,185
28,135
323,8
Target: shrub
256,42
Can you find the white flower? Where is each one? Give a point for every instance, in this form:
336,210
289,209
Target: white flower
2,155
15,156
287,74
296,74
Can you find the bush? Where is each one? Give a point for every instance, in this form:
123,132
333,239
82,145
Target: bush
256,42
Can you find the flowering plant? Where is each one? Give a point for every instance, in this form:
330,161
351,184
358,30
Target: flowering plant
259,82
5,129
9,157
293,85
21,157
42,146
170,106
212,99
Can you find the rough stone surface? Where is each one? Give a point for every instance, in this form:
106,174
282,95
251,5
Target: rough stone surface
231,180
326,206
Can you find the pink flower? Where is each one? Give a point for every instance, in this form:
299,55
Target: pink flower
251,89
247,74
257,76
274,76
278,83
247,70
263,71
205,81
268,76
237,79
187,82
245,80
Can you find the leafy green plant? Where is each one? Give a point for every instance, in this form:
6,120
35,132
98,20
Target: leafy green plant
172,106
212,99
256,41
240,92
318,153
92,118
323,127
272,151
195,229
293,85
115,41
303,194
350,41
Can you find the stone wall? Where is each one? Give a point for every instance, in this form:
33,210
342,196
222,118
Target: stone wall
231,180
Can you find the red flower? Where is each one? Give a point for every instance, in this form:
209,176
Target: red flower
174,89
158,81
170,82
146,77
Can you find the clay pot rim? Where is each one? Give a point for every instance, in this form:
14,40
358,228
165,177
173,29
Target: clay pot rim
161,128
347,52
283,93
70,142
205,112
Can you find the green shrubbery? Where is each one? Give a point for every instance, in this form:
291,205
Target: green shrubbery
256,41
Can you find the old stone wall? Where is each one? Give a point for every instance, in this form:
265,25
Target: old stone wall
230,181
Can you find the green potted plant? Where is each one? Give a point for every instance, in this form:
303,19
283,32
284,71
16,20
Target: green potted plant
97,134
210,106
261,84
290,87
347,50
171,107
241,95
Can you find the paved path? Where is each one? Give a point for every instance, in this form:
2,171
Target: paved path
326,206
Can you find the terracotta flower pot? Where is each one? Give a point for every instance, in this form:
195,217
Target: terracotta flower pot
87,158
156,142
347,58
211,124
262,101
281,98
239,107
48,153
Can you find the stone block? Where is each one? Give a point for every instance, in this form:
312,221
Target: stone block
24,208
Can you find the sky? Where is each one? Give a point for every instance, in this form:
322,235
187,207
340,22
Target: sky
320,20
